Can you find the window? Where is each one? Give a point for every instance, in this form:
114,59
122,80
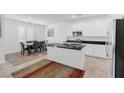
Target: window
50,32
21,33
25,33
29,34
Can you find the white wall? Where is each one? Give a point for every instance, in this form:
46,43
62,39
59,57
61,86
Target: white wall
1,51
2,42
39,32
11,34
60,33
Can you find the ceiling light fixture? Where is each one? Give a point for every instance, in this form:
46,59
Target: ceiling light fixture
74,16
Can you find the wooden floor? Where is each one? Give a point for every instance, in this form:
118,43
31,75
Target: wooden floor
93,67
48,69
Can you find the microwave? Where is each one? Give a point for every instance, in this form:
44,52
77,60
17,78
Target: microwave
77,33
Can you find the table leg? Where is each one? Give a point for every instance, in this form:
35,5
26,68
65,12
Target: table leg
29,50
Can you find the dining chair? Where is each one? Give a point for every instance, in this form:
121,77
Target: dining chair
45,45
23,48
42,46
35,46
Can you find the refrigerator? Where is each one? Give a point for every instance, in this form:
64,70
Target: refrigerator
119,49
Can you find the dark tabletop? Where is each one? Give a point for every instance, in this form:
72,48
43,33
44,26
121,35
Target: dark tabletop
67,46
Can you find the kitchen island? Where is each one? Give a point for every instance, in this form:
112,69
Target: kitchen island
67,54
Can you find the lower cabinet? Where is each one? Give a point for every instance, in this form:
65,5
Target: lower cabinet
96,50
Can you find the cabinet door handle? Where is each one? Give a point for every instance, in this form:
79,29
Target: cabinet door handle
107,45
107,49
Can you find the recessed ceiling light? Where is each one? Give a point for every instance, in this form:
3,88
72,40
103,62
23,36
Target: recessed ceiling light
74,16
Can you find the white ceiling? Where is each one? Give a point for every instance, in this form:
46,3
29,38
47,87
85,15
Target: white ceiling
50,18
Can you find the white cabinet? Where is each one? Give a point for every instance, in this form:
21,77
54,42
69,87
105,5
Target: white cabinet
90,28
95,50
77,26
99,50
74,58
95,28
74,27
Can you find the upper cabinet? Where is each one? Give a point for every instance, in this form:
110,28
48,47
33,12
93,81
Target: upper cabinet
95,28
75,27
90,28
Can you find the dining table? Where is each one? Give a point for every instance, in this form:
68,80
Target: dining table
29,46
